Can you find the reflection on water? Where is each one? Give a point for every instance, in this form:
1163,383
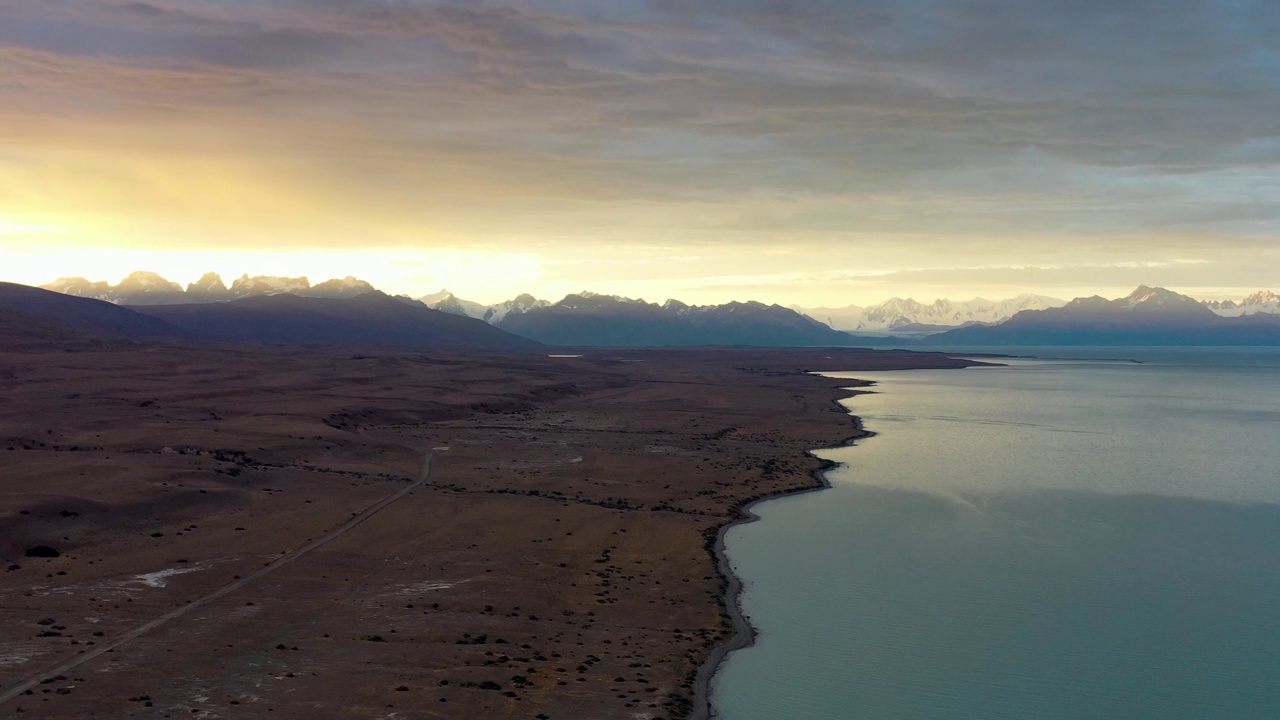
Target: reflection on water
1052,540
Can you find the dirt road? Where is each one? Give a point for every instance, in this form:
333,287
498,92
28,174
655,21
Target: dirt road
86,655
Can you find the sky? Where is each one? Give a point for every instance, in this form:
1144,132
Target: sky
810,152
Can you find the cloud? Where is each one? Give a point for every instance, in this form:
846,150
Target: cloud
1016,131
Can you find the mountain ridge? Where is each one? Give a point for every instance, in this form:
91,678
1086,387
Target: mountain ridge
147,288
371,318
1147,316
905,314
586,319
896,319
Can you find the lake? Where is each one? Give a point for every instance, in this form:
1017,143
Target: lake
1067,539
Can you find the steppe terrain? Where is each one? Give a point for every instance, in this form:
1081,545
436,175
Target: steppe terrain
552,560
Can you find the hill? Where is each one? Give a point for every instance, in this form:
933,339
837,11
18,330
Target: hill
373,318
22,333
83,314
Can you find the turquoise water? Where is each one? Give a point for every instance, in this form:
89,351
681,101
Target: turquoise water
1059,539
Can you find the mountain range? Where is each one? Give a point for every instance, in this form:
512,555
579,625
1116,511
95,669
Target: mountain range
291,310
445,301
902,317
1147,316
592,319
907,317
372,318
1264,301
893,318
148,288
29,315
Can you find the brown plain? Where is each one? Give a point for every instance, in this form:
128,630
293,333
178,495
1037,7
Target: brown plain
555,563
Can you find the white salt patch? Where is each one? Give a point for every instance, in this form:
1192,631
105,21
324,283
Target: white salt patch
430,585
160,578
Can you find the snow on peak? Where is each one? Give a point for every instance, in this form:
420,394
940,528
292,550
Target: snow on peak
897,314
208,283
143,281
435,297
1261,302
1148,297
268,285
1146,294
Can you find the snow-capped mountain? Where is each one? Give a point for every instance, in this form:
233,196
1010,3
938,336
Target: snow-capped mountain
137,288
209,285
445,301
148,288
142,282
246,286
435,297
520,304
80,287
335,288
1147,316
1263,301
910,316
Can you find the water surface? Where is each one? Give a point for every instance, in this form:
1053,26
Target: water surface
1056,539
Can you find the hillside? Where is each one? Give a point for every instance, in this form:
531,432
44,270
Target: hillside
83,314
369,319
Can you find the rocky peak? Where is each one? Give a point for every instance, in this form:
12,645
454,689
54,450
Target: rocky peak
268,285
80,287
209,284
142,281
335,288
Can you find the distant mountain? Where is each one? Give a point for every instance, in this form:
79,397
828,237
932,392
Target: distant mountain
372,319
138,288
909,317
80,287
445,301
592,319
1263,301
1147,316
347,287
148,288
246,286
82,314
518,305
209,288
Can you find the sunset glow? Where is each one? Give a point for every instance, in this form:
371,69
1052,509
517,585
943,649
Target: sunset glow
644,149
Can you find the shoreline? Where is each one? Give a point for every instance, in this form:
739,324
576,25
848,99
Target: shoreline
742,633
566,461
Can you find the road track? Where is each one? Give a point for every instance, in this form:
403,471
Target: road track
83,657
